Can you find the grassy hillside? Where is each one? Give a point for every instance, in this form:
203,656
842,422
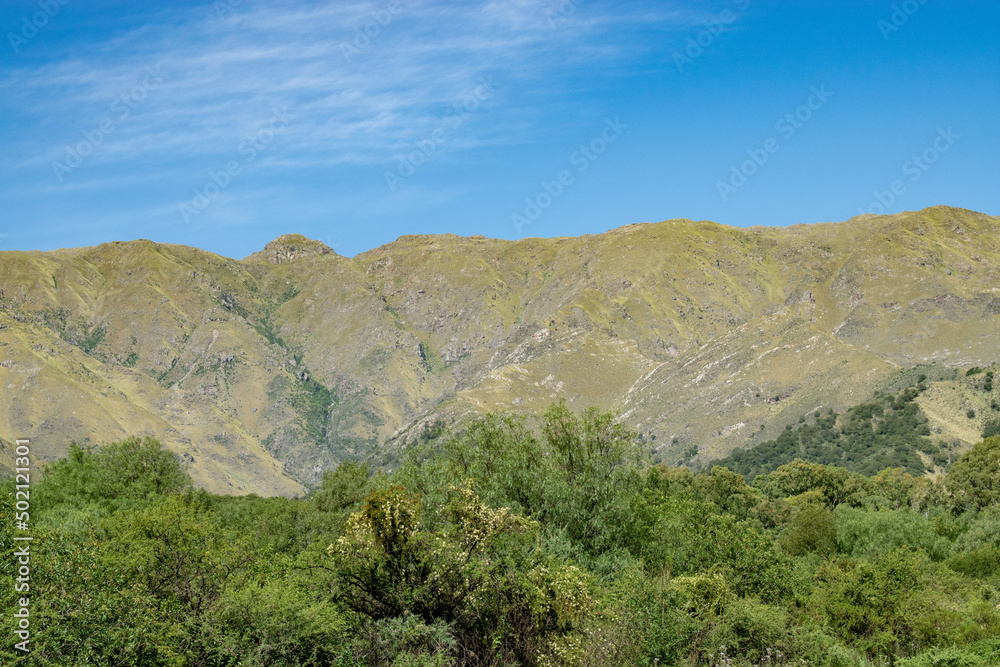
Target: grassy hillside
270,370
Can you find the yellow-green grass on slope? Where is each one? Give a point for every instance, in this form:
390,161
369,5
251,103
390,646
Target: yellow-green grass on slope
307,357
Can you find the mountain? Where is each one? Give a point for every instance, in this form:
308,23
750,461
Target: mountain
264,372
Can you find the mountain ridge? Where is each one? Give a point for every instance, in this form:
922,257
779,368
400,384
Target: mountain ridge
296,357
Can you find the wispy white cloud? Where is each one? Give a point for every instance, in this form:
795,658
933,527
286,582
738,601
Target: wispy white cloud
352,100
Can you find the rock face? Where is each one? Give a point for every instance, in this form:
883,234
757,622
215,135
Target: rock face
289,248
267,371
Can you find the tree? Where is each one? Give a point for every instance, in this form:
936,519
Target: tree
132,470
728,491
866,533
342,488
576,476
870,603
813,530
477,573
837,485
596,461
974,480
92,609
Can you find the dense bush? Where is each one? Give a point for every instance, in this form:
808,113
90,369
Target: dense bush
974,480
135,469
948,657
498,545
886,433
991,428
868,533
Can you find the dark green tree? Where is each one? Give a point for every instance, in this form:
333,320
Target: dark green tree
974,480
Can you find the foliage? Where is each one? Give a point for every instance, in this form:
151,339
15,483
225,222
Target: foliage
344,487
870,437
574,476
974,480
813,530
947,657
868,602
867,533
983,530
836,485
133,470
503,545
313,401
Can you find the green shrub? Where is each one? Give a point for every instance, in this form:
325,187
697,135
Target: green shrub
477,570
810,646
813,530
278,618
945,657
342,488
649,623
691,538
703,594
865,533
837,485
577,472
980,563
987,649
981,529
135,469
407,641
869,603
974,480
753,631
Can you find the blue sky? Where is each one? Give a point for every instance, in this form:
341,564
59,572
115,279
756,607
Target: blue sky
225,124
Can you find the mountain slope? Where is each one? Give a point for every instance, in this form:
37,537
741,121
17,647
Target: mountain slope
265,372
